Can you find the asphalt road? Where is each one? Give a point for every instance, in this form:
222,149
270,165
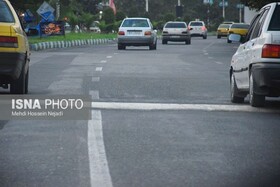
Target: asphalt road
159,118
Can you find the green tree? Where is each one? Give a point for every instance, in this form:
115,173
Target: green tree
257,4
87,19
169,17
120,15
108,16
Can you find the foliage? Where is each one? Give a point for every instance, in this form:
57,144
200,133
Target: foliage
120,15
257,4
86,19
169,17
108,16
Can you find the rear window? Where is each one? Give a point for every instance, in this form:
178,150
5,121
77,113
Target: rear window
6,15
135,23
275,20
224,26
240,26
175,25
196,24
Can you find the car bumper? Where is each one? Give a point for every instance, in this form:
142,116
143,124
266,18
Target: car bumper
136,41
222,33
198,33
267,78
175,37
11,65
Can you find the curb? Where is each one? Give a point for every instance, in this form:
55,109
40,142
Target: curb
67,44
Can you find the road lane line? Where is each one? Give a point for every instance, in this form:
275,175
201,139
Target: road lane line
164,106
206,53
98,68
220,63
109,57
98,164
95,79
103,61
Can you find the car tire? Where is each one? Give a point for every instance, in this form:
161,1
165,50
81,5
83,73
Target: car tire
26,82
18,86
219,36
235,95
164,42
153,46
255,99
229,41
121,47
188,41
205,37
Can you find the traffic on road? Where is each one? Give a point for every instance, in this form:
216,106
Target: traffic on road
177,107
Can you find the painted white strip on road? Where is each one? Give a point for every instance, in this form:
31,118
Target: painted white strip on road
95,79
103,61
109,57
98,165
94,94
220,63
206,53
98,68
164,106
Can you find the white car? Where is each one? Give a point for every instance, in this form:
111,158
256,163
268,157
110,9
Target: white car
137,32
255,67
198,28
176,31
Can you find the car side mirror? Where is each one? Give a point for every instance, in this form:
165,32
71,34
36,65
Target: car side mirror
235,38
191,28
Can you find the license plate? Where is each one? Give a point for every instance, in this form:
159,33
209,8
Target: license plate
134,33
175,36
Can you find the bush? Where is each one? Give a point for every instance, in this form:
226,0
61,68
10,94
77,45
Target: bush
108,16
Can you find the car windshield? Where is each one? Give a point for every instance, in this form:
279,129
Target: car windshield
275,21
196,24
224,26
240,26
5,13
135,23
175,25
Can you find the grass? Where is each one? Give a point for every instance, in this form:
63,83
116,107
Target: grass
70,37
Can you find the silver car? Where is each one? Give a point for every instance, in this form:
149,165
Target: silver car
198,28
137,32
176,32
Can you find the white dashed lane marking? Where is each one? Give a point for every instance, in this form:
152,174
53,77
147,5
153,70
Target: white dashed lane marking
98,68
95,79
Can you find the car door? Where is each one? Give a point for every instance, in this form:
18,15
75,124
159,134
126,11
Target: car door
240,66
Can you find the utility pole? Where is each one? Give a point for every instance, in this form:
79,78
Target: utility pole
224,9
57,10
147,5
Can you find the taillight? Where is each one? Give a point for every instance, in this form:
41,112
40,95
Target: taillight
271,51
121,33
189,27
148,33
203,28
8,41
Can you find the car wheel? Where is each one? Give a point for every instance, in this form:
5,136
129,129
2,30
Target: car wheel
164,42
205,37
234,93
121,47
218,36
229,41
18,85
188,42
153,46
26,82
255,99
